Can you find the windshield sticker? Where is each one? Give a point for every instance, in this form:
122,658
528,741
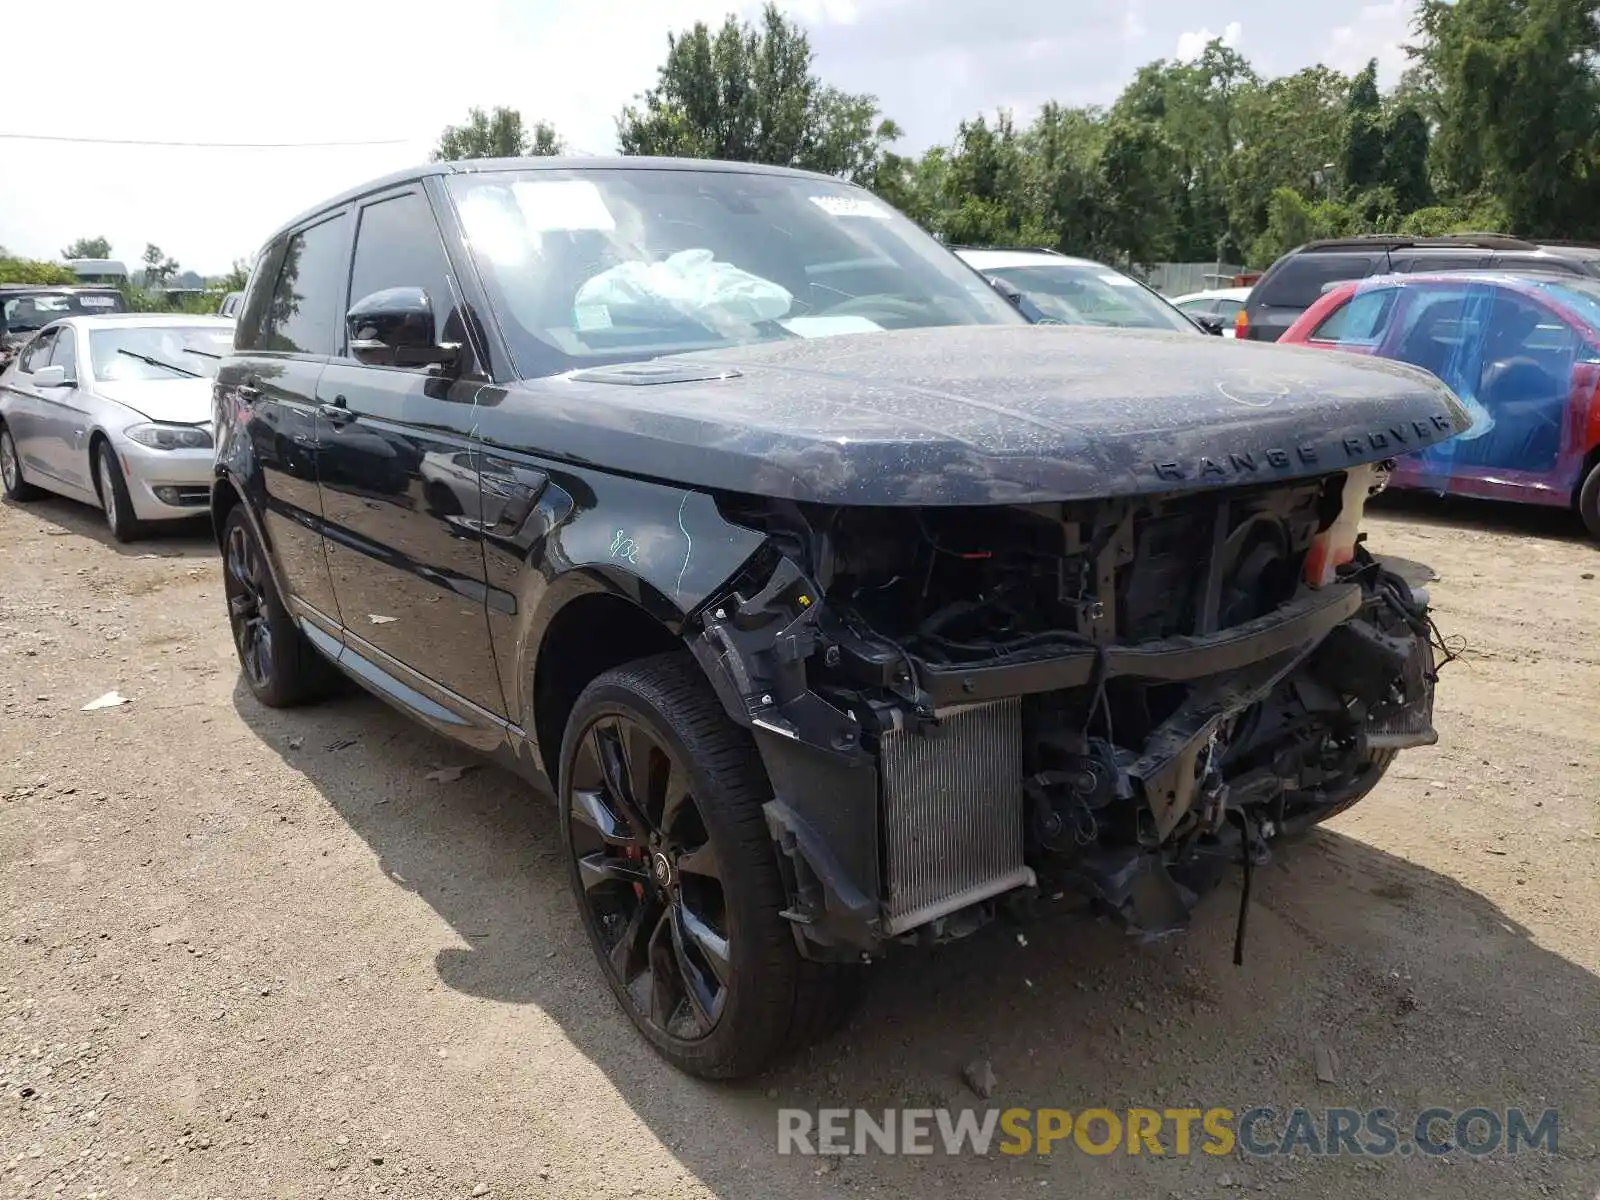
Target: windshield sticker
1119,280
563,206
825,326
850,206
97,301
589,317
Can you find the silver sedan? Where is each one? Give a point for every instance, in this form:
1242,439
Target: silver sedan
115,411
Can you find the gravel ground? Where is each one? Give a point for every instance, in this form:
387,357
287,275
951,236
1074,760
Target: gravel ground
254,953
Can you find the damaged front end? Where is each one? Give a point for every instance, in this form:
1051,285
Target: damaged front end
961,707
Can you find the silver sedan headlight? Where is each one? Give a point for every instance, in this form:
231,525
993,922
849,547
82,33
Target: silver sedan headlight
171,437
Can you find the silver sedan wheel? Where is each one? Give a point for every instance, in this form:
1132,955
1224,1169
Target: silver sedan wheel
10,470
108,489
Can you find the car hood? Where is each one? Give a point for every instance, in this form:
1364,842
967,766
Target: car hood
174,401
977,415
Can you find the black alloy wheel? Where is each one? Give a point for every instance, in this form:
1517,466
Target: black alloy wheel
281,668
245,581
676,874
650,877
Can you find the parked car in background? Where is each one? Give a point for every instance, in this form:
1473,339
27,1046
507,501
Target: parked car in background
839,607
1046,285
1219,306
99,270
1297,280
1523,354
26,308
115,411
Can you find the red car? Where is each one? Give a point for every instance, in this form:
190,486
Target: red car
1523,354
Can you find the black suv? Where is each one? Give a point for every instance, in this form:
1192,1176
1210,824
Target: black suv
840,607
1297,280
26,308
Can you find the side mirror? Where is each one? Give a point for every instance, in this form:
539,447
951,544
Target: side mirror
394,328
50,377
1212,325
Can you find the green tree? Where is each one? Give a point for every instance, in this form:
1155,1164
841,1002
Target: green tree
158,268
1405,158
748,94
88,247
497,134
27,270
237,277
1519,106
1364,142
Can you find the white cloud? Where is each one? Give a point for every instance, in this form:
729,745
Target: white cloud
1192,43
1379,31
312,72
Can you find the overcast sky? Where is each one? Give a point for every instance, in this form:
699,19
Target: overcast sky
319,71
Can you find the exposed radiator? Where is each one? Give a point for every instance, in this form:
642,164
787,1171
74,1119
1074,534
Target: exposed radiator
1410,724
953,816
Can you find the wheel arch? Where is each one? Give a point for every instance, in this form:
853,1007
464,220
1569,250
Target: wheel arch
596,628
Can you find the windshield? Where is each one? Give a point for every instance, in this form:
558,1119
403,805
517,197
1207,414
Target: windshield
30,312
158,351
594,266
1089,294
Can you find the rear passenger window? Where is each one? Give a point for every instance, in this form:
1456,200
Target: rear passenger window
398,245
1361,320
1537,262
1440,260
303,312
1299,282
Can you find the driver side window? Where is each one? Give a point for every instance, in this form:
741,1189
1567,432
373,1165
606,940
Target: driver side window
66,354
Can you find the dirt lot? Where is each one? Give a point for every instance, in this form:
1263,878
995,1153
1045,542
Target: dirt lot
250,953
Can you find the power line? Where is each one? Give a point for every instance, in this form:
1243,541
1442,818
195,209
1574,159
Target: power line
98,141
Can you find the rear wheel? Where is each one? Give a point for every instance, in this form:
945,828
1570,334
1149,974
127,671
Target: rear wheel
114,498
281,668
17,488
1589,501
676,876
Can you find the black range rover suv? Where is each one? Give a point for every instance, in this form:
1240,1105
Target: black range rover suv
840,608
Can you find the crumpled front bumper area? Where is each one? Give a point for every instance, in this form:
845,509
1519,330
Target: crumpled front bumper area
914,818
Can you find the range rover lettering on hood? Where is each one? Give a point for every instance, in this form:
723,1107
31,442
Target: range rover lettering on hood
1394,438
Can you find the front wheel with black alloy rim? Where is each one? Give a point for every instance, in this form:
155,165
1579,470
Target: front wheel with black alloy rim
114,498
281,668
17,488
676,875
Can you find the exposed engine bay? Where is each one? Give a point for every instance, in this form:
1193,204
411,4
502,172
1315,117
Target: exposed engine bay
1121,699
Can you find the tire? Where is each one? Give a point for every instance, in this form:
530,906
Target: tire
281,667
771,999
16,487
114,498
1589,501
1352,793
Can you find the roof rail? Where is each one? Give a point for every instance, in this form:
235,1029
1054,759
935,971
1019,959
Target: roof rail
1028,249
1478,241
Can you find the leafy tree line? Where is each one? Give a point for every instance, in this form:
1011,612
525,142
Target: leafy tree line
1495,127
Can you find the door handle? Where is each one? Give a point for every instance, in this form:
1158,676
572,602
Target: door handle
247,393
336,414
